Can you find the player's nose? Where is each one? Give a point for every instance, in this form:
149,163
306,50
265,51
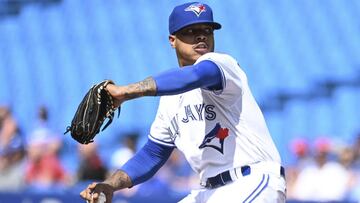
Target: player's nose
201,38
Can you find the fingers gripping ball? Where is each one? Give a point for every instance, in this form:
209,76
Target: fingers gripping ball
95,107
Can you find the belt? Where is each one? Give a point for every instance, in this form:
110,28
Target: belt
231,175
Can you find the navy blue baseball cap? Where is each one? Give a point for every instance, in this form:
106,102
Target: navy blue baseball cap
189,14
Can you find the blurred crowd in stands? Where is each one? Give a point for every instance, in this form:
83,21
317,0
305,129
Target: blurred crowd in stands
322,170
32,162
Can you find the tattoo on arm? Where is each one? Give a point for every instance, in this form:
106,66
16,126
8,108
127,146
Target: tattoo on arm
146,87
119,180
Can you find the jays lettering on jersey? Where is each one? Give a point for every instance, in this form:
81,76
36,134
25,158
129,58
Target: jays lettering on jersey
216,130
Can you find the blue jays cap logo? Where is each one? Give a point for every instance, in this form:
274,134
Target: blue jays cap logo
197,8
217,132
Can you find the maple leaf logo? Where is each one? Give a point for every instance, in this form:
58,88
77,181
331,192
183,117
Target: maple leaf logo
222,133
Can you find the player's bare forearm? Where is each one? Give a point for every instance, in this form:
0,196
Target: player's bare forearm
146,87
119,180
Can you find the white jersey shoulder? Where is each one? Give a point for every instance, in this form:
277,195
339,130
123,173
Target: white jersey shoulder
233,77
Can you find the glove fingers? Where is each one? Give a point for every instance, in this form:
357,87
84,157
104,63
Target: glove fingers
96,106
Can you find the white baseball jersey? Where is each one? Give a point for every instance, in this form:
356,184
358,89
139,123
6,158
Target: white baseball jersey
216,130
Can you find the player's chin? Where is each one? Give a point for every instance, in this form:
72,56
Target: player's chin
201,51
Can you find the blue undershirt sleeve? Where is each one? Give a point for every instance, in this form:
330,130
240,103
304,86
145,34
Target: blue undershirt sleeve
205,74
147,161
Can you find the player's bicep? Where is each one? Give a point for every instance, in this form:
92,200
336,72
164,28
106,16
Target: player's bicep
210,75
205,74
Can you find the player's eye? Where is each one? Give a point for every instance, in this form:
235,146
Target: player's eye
208,31
187,32
193,31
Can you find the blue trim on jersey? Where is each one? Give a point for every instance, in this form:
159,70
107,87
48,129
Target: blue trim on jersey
266,184
206,74
223,78
223,84
146,162
256,189
154,139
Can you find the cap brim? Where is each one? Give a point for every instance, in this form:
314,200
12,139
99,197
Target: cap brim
215,25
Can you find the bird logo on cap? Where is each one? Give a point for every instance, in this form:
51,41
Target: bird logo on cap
196,8
217,132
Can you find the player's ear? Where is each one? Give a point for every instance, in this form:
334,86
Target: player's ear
172,39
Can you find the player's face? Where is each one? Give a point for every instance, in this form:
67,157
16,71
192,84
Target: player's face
192,42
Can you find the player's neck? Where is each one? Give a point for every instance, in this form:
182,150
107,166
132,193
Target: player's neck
183,62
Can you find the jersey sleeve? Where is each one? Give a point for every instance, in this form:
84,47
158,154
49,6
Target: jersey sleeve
160,131
233,78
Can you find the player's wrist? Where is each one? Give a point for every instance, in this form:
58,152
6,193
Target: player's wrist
116,92
146,87
118,180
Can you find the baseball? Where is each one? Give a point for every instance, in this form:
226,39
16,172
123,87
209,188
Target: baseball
101,199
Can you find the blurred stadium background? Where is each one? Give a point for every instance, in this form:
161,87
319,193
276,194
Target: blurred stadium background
301,57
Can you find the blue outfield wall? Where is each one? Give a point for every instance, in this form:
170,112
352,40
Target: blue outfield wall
62,198
66,198
73,198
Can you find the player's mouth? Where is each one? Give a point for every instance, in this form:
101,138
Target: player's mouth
201,48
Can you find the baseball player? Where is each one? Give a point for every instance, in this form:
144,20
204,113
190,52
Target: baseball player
207,111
